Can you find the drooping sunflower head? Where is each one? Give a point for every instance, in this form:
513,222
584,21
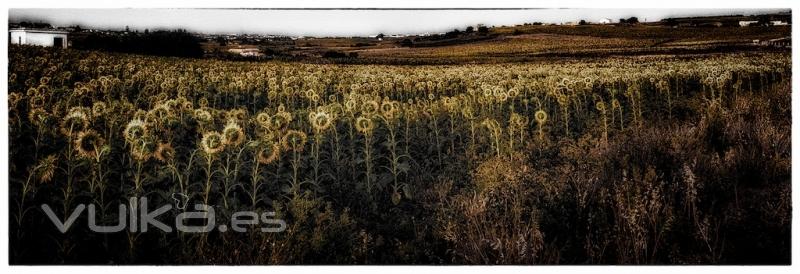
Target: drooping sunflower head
99,109
89,144
135,131
164,152
203,102
263,120
186,105
370,107
233,135
76,121
161,113
294,140
212,143
35,101
349,105
540,116
281,120
203,116
39,117
267,152
364,125
320,120
388,109
237,115
562,99
601,106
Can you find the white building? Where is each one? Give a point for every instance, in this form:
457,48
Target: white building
779,23
246,52
38,37
605,21
746,23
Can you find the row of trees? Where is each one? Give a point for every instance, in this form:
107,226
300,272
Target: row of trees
178,43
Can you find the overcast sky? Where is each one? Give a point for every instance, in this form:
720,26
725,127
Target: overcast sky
336,22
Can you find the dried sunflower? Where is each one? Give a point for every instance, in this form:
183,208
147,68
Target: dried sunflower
268,152
136,130
541,116
212,142
364,125
89,144
76,120
233,135
164,152
294,140
320,120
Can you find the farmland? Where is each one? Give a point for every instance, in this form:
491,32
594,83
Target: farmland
598,152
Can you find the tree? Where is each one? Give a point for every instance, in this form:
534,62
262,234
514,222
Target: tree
483,29
670,22
379,36
582,22
452,34
470,29
632,20
763,20
622,21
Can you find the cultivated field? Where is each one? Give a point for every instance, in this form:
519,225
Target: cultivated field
644,159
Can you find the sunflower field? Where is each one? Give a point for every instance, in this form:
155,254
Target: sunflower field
620,160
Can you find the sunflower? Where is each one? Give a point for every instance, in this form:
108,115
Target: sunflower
541,116
203,102
349,105
135,130
388,109
237,114
89,144
203,116
98,109
320,120
281,120
164,152
263,120
364,125
76,120
212,142
233,135
268,152
187,105
601,106
294,140
370,107
38,117
35,101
